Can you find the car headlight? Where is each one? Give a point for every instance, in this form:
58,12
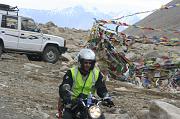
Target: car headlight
94,112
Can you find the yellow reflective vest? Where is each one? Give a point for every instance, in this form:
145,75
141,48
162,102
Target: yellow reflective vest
83,86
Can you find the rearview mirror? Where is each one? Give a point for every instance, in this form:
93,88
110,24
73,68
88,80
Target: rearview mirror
37,30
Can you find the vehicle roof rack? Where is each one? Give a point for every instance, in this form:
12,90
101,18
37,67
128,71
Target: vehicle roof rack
9,8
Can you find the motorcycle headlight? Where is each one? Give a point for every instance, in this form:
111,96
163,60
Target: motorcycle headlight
94,112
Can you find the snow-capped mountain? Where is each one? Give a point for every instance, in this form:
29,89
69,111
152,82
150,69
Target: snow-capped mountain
73,17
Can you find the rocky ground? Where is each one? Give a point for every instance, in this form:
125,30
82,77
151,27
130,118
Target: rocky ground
29,90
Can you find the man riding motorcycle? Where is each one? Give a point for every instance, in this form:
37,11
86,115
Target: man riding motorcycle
83,79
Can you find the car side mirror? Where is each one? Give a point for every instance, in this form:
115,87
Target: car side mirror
37,30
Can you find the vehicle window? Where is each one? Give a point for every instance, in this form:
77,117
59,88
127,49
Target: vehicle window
28,25
9,22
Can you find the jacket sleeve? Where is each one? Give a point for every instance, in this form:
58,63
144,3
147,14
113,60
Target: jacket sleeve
67,79
100,86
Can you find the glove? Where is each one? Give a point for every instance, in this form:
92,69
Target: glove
68,106
108,102
67,102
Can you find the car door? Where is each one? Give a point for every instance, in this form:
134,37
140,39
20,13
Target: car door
29,38
9,31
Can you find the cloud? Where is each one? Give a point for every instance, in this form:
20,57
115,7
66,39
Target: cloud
102,5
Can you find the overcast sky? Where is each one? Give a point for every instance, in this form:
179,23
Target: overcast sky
102,5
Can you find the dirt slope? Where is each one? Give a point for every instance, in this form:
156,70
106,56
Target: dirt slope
160,19
29,90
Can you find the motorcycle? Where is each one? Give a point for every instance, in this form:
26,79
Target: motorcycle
85,108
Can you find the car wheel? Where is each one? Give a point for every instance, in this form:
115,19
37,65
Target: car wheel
51,54
33,57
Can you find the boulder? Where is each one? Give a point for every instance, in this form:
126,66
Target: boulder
66,57
163,110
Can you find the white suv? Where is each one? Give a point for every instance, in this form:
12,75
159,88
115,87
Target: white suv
21,35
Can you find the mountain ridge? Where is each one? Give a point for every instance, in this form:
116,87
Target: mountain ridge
161,19
72,17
